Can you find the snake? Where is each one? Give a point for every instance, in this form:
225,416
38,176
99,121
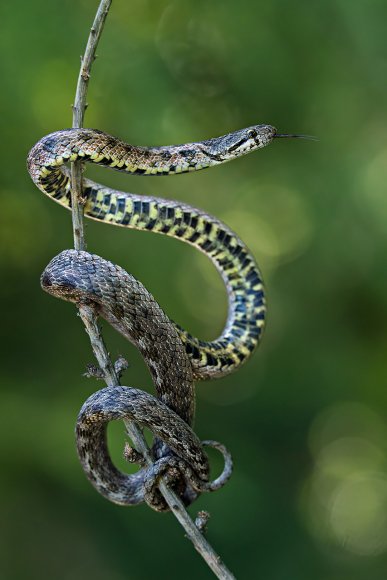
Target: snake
175,358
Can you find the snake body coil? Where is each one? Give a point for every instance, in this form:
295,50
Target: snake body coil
229,254
174,357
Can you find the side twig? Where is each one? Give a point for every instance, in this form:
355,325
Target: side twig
89,317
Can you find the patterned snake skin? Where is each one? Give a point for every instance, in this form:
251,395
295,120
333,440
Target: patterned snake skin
174,357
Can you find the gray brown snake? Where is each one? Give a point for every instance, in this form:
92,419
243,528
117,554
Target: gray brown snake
174,358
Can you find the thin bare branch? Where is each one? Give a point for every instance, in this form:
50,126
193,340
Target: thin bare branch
79,108
89,317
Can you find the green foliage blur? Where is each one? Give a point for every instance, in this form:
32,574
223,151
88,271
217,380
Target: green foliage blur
306,418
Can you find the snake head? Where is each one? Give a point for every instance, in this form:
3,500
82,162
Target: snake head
68,276
239,142
260,135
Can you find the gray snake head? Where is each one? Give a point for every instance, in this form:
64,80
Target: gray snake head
239,142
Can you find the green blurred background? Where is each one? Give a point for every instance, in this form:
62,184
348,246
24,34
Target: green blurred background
306,419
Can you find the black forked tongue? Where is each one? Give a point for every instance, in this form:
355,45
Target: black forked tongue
294,136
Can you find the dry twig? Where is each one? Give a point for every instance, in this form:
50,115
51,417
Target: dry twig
89,317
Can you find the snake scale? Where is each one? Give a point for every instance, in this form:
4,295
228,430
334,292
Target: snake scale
174,357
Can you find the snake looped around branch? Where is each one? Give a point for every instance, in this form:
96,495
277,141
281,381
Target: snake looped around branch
174,357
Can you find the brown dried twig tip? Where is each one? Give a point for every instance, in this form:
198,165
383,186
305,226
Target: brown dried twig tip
106,368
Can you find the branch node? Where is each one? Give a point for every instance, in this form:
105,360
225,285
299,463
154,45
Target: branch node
201,521
120,366
94,372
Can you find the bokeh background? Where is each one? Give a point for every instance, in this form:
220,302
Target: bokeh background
306,419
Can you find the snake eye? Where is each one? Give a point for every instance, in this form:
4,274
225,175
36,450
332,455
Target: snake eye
252,133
